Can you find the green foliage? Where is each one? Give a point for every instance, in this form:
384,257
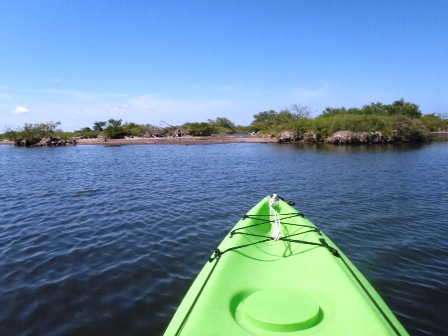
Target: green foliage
401,120
272,121
398,107
13,134
284,117
331,111
264,120
114,129
372,109
244,129
406,128
198,129
327,125
132,129
86,133
397,127
64,135
435,122
222,125
301,126
221,130
99,125
31,134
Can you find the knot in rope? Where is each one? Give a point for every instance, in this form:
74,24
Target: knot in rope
276,224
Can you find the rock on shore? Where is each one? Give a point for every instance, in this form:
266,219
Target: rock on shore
349,137
52,141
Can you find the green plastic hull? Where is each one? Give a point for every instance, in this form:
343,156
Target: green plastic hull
300,284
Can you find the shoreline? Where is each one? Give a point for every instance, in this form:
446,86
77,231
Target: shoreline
207,140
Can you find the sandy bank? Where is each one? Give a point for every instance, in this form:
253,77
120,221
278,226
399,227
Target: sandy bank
178,141
208,140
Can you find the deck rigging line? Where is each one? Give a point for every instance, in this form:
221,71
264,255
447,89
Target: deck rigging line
323,243
187,315
218,253
338,255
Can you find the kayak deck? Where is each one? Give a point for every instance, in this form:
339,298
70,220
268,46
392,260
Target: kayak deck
297,285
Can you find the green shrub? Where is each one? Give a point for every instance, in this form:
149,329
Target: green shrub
31,134
435,122
198,129
408,129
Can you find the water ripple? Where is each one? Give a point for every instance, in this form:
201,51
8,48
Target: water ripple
102,240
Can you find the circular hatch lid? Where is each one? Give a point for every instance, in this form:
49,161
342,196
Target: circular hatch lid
282,310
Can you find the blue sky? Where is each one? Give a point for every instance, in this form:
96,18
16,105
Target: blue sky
146,61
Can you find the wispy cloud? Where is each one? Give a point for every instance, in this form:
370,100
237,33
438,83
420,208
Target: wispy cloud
78,108
20,110
6,96
179,109
76,94
310,93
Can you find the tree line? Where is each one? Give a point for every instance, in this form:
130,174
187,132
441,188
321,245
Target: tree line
116,129
401,119
400,116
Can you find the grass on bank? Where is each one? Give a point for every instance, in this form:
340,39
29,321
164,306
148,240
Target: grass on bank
400,120
399,126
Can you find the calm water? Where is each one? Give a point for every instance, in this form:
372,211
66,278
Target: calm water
106,240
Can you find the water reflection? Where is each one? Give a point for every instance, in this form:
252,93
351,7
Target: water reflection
361,148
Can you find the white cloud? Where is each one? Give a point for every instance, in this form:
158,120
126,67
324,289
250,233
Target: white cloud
76,94
77,109
20,110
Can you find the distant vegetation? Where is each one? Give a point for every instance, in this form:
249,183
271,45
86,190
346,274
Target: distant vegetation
399,121
31,134
115,129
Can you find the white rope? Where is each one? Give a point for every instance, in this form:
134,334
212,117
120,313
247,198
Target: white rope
277,225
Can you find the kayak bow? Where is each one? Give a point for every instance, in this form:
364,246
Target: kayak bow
276,273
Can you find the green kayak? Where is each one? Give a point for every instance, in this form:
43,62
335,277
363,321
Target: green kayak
276,273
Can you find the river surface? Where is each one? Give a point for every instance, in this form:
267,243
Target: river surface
98,240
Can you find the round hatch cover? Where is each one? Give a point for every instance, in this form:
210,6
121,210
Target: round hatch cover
282,310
